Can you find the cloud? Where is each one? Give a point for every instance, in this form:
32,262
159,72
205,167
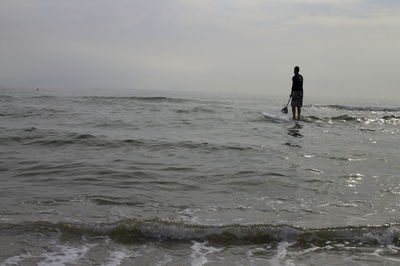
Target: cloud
192,44
387,22
334,2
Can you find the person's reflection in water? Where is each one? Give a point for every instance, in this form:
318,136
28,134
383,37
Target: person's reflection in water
295,131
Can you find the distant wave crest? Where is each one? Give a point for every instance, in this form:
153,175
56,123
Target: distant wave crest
360,108
41,137
138,98
5,97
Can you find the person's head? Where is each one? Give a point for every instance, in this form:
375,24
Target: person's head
296,69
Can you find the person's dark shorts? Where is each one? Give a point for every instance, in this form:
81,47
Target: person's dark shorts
297,99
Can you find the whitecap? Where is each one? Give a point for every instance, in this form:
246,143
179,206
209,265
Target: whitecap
65,255
200,252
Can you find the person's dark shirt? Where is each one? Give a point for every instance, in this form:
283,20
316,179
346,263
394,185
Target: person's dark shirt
297,84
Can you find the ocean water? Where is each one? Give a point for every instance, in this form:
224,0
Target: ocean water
131,179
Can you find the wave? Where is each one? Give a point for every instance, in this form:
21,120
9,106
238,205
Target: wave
349,118
195,110
5,97
359,108
34,136
139,98
133,230
391,117
345,118
44,97
33,112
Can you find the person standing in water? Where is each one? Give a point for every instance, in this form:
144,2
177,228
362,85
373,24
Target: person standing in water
297,93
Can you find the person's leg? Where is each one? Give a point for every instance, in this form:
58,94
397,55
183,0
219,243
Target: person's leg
298,113
294,112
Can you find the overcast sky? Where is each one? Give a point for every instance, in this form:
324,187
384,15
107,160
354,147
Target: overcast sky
343,47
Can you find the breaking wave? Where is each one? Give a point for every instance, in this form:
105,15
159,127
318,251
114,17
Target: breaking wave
134,230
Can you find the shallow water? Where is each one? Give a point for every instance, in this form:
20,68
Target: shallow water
167,180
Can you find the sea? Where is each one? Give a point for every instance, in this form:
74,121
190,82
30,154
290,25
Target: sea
156,178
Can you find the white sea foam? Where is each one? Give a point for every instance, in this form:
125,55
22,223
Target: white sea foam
16,260
116,257
189,215
167,259
200,252
257,250
281,253
65,255
251,252
385,238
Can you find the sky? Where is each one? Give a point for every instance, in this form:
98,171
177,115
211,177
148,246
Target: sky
343,47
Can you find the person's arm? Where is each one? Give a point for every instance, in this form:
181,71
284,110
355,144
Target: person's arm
291,92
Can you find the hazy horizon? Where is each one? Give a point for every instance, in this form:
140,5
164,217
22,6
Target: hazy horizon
343,48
